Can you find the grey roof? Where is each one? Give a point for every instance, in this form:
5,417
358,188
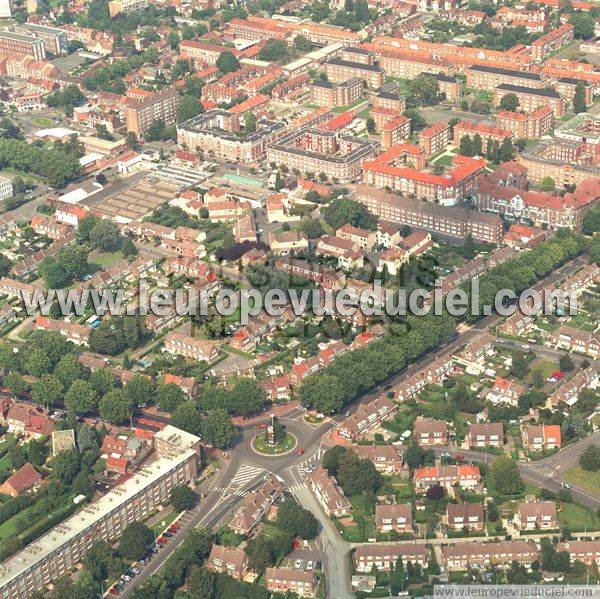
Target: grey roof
519,89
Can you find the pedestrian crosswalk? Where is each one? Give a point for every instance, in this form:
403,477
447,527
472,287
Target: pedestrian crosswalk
245,474
297,487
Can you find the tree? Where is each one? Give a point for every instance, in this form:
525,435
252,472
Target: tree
66,466
135,541
47,390
138,389
187,417
250,124
105,236
297,521
169,396
548,184
424,90
465,146
583,24
590,458
52,273
80,398
413,456
509,102
312,228
492,511
217,429
72,259
565,363
189,108
85,227
356,475
579,103
248,396
115,406
302,43
477,145
103,133
274,50
14,382
87,438
16,456
506,477
323,393
97,560
201,582
344,210
227,63
183,498
507,150
371,127
69,369
102,380
435,492
128,248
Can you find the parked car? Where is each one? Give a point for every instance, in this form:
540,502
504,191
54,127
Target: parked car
298,564
310,565
301,452
114,591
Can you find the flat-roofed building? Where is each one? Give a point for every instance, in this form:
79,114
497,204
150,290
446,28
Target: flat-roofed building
55,553
55,39
19,44
159,106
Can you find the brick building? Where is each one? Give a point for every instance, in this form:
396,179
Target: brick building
160,106
487,78
453,221
531,99
339,70
435,138
527,126
325,93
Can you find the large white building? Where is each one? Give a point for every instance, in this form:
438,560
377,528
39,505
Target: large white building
6,188
56,552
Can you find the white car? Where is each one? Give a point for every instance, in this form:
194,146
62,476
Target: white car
310,565
298,564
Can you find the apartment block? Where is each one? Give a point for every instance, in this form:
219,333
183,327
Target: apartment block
487,78
390,169
216,132
391,100
527,126
159,106
531,99
55,40
204,51
435,138
453,221
55,553
394,130
552,41
449,86
127,6
255,505
19,44
357,54
339,70
325,93
567,86
314,150
485,132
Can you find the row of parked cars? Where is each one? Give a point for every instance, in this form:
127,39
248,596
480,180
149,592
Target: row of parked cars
130,573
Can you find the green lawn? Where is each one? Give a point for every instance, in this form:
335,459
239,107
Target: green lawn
577,518
444,160
589,481
164,521
546,367
104,259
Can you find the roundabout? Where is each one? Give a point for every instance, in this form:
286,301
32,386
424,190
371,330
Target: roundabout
262,447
